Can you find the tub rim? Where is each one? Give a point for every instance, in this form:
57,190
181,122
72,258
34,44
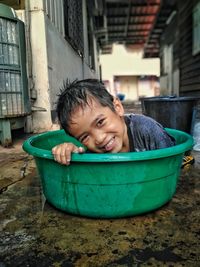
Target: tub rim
112,157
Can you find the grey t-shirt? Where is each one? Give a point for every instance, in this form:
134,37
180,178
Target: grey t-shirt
146,134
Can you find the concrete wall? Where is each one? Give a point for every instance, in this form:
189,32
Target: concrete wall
63,61
123,63
39,69
133,88
52,60
128,86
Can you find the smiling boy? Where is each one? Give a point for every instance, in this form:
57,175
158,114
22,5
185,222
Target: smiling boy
89,113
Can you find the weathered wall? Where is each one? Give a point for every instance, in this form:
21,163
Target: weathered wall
189,63
182,74
39,69
53,60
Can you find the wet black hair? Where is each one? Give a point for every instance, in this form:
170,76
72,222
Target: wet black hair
77,93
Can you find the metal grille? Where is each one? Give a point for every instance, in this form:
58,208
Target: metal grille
9,50
73,19
10,74
10,93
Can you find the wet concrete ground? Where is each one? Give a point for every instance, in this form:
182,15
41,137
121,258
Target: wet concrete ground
33,233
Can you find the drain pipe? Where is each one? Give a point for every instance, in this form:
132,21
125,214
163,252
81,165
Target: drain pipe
32,90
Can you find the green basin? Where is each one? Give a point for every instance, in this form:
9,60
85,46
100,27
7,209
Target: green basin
108,185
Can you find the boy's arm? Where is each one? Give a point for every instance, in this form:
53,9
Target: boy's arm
62,153
148,134
157,135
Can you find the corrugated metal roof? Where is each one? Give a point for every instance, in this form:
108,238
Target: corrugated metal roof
135,23
129,22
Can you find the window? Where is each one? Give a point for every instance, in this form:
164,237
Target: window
73,24
90,44
67,17
54,10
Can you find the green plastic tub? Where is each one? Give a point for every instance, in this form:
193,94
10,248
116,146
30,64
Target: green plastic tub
108,185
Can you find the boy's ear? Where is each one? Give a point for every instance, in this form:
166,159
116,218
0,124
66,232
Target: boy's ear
118,106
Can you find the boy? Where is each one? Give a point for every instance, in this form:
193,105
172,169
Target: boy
89,113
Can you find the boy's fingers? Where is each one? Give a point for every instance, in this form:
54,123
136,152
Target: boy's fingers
79,150
59,153
62,152
66,153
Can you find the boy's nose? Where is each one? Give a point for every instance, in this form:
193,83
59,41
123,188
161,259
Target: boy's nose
99,137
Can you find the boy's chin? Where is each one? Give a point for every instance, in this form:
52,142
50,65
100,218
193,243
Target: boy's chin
116,150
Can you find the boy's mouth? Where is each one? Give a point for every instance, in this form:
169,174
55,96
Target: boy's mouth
110,145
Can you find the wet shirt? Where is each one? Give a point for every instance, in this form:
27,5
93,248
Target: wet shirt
144,133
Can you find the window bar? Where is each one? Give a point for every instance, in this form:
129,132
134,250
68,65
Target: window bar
12,96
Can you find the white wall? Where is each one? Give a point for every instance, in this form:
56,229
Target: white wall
40,82
124,63
121,62
127,85
148,88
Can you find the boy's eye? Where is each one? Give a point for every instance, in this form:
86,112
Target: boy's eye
100,122
84,138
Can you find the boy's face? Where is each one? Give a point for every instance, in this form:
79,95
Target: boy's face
99,128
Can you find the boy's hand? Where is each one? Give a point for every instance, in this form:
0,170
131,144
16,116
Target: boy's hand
62,152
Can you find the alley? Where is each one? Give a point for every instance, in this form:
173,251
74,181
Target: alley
33,233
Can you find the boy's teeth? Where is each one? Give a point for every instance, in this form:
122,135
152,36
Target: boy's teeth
107,146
